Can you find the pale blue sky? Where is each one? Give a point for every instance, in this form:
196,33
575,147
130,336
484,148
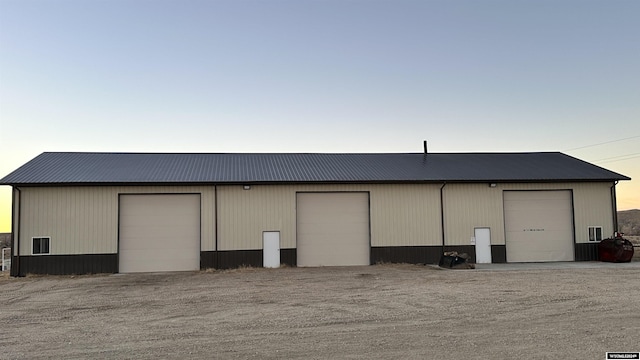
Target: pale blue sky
322,76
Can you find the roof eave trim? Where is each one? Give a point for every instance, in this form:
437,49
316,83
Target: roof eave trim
315,182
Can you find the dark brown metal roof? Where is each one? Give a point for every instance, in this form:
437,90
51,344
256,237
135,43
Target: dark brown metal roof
141,168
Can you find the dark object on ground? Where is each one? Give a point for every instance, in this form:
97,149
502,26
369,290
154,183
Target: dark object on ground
617,249
453,260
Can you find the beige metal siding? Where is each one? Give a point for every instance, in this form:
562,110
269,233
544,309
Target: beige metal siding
159,233
470,206
477,205
592,206
78,220
244,214
405,215
401,215
333,229
84,219
538,226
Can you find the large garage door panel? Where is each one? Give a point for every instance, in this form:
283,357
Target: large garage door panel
159,264
538,226
167,243
157,222
159,233
523,220
333,229
153,234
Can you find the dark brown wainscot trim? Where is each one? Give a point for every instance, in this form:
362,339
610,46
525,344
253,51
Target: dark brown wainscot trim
289,257
231,259
208,260
586,251
498,254
406,254
68,264
428,254
237,258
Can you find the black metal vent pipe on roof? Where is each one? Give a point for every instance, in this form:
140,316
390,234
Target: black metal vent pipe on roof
424,155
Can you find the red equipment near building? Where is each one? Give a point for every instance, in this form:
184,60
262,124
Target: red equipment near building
616,249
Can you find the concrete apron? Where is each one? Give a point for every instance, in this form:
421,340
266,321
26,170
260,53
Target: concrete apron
558,266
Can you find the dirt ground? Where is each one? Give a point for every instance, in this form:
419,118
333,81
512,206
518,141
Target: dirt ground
382,311
635,240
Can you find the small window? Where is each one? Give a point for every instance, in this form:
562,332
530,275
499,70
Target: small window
595,233
40,245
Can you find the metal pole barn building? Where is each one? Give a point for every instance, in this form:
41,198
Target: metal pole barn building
77,213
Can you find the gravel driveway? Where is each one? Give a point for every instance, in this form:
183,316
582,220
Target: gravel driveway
382,311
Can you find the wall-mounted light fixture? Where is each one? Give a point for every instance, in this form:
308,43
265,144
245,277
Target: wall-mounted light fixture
493,185
246,187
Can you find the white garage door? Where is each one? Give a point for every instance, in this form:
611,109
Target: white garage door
159,233
333,229
538,226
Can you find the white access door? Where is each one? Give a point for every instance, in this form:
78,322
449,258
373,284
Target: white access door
159,233
483,245
271,249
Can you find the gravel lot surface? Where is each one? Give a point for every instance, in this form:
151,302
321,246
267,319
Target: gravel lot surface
382,311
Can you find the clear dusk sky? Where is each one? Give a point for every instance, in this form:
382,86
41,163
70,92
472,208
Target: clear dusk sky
321,76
